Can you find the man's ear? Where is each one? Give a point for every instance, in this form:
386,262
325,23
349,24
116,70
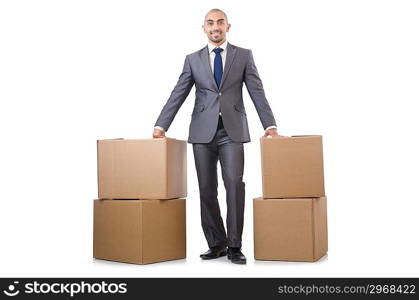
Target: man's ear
228,27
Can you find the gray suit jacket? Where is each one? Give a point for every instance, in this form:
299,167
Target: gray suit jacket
210,100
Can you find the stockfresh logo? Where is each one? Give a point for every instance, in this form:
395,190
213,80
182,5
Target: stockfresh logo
67,288
12,289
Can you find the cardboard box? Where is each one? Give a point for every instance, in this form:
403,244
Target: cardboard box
290,229
141,168
139,231
292,167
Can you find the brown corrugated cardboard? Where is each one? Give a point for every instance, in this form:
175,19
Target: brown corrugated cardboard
141,168
139,231
292,167
290,229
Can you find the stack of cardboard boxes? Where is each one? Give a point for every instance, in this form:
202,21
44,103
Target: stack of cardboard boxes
290,220
140,216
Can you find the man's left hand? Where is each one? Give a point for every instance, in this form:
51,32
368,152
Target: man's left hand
272,132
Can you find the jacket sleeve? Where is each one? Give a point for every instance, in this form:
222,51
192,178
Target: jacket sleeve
257,94
177,97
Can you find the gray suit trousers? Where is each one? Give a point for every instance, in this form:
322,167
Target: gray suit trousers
231,156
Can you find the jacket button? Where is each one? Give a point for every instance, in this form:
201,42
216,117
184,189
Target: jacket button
219,94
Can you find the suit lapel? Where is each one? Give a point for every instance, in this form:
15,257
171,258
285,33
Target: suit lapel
207,67
204,56
231,53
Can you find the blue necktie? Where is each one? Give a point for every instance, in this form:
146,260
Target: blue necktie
218,66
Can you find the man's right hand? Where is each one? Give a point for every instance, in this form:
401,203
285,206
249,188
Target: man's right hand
157,133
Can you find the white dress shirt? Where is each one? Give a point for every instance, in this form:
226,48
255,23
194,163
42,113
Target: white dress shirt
211,59
212,54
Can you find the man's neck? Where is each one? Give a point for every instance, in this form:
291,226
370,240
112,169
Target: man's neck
217,44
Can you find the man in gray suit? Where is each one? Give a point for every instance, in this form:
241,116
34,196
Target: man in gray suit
219,128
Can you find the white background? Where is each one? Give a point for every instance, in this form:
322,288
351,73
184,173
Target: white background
72,72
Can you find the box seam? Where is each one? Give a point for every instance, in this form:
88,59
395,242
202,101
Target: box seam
140,240
262,164
112,168
313,229
97,167
166,171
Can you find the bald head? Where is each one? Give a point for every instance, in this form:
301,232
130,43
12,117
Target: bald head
216,10
216,26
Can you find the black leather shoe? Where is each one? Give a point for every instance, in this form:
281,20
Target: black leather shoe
214,252
236,256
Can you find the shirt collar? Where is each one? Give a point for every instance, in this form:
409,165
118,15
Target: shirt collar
211,46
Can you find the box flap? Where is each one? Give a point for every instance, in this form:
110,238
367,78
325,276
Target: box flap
164,227
283,229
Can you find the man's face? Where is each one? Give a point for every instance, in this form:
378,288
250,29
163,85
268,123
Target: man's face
216,27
